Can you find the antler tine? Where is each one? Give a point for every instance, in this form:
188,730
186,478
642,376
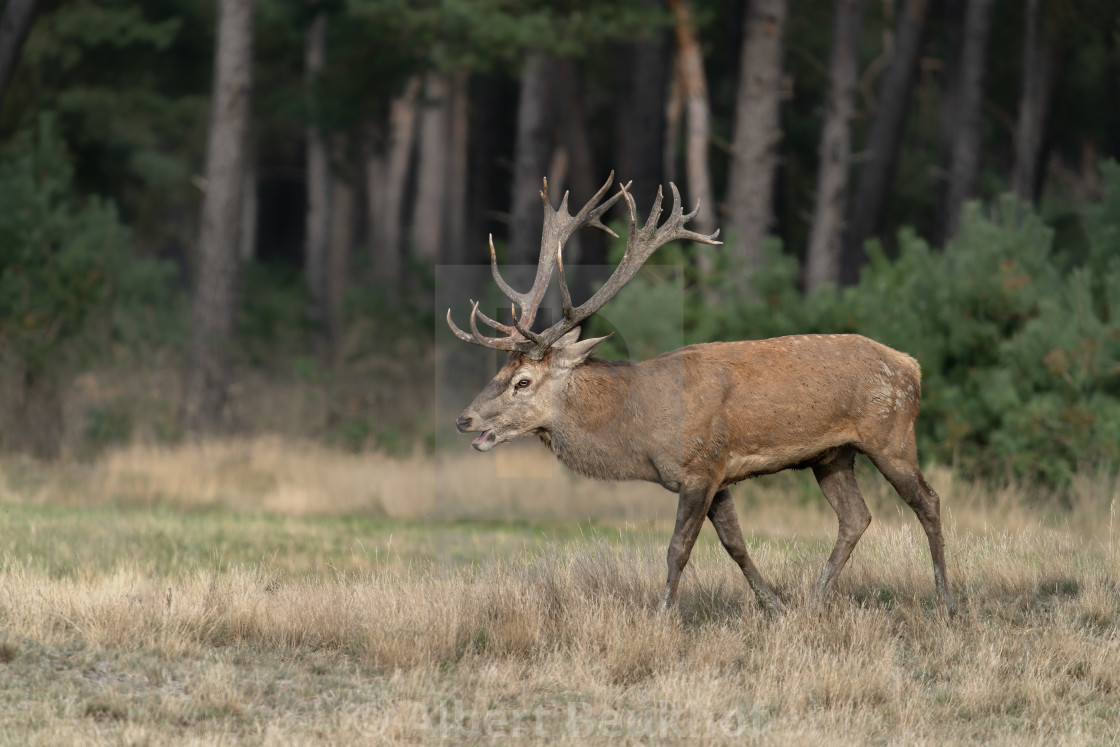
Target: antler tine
477,338
591,213
633,213
654,212
677,205
498,326
565,295
503,286
458,332
695,211
497,343
674,227
526,332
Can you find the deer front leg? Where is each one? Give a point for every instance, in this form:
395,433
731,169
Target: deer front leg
692,507
724,519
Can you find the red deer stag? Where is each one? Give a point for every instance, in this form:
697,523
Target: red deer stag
703,417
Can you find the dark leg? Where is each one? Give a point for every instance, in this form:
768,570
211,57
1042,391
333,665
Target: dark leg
907,479
692,505
726,522
838,483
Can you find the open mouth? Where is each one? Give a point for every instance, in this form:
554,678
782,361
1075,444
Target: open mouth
485,440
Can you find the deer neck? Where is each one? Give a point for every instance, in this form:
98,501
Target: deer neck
600,427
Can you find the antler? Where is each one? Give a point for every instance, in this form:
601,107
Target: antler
640,245
559,225
558,228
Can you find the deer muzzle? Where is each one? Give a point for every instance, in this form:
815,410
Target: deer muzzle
486,440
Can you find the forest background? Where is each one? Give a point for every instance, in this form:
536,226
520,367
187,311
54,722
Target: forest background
231,217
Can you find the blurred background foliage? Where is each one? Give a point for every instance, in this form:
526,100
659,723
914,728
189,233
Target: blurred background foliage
103,127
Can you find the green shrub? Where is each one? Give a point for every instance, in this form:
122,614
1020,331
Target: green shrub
58,253
65,259
69,285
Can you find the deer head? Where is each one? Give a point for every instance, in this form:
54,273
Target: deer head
521,399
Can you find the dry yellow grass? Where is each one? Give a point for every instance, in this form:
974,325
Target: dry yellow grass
563,642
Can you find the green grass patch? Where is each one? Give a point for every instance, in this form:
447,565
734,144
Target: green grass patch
76,542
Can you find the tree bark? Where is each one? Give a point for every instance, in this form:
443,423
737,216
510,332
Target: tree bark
964,167
386,177
247,242
15,23
430,214
750,210
822,265
585,247
341,245
1111,102
884,137
316,253
674,121
641,81
1034,103
455,232
695,85
531,152
953,14
212,320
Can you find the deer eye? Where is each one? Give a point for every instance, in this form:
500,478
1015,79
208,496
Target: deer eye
522,384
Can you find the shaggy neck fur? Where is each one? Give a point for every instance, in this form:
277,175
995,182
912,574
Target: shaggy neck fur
601,428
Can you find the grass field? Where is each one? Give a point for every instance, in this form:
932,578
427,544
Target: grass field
269,592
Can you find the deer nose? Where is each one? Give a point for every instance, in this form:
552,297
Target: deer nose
463,424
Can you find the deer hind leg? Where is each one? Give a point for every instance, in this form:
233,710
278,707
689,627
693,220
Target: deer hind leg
692,505
838,483
726,522
903,474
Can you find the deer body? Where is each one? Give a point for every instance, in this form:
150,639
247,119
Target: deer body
701,418
728,411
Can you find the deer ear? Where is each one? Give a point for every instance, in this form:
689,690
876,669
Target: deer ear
569,338
572,355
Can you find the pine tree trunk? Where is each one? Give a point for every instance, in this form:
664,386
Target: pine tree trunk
341,245
1111,102
884,137
674,121
585,247
386,180
964,168
750,211
1034,104
953,15
641,82
15,22
695,84
247,250
38,425
316,253
209,364
430,215
455,232
531,152
822,266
